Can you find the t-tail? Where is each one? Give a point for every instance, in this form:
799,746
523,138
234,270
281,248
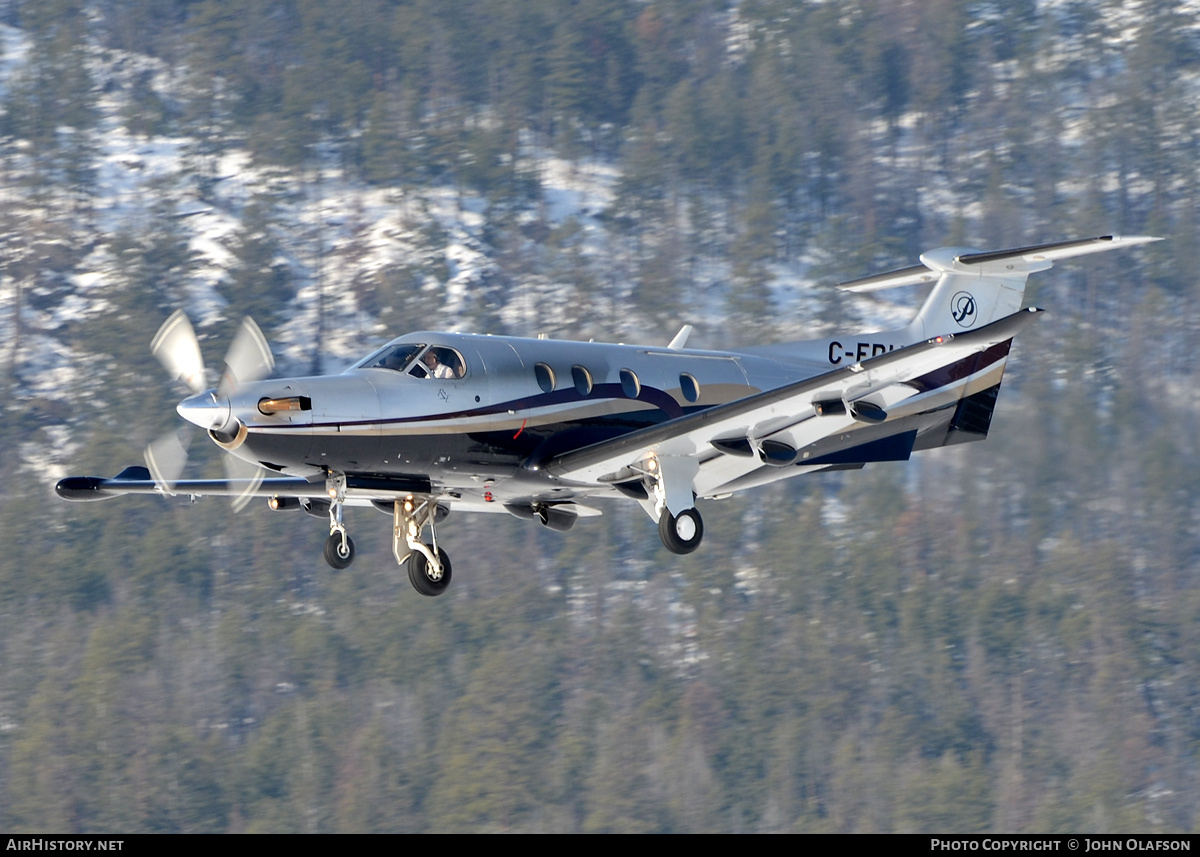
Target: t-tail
973,288
976,287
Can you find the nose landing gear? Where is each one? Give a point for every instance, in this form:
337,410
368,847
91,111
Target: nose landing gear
339,548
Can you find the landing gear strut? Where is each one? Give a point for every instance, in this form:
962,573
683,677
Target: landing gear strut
339,548
428,565
669,481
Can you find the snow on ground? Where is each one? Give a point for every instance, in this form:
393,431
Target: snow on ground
579,189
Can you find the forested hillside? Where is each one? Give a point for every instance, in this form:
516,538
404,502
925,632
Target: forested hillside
998,636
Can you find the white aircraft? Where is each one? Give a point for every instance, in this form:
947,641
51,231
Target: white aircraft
434,423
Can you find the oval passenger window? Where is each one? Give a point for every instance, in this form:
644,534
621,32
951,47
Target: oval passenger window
630,384
582,379
690,387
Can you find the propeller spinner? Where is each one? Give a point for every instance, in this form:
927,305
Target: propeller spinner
247,360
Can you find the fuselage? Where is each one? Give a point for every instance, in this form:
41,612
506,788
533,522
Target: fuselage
474,418
504,402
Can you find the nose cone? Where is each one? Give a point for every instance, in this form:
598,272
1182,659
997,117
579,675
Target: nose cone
206,410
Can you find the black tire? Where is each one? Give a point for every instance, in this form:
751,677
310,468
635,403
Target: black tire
417,566
670,526
337,557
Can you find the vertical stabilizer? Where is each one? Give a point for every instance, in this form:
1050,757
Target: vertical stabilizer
967,296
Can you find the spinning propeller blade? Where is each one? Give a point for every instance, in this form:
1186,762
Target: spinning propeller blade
237,469
178,349
166,457
248,358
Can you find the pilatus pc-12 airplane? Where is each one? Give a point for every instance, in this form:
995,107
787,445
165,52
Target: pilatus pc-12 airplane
434,423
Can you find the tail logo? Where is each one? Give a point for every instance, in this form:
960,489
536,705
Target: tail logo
962,307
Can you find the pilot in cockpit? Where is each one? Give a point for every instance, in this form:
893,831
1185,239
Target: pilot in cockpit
436,368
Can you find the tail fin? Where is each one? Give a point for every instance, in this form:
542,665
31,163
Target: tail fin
974,288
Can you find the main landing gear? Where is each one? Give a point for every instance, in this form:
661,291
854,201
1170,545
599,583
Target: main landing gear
680,533
428,565
669,483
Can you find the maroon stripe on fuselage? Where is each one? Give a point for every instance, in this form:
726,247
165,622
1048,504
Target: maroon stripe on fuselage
962,369
650,395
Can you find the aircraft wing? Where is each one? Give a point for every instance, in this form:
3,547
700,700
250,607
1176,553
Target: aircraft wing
785,412
137,480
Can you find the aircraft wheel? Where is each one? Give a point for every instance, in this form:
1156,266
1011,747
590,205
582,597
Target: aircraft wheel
418,576
339,556
681,534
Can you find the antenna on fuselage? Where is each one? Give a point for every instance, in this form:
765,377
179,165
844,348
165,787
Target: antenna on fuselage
681,338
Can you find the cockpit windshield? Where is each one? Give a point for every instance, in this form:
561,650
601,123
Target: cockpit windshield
395,357
418,360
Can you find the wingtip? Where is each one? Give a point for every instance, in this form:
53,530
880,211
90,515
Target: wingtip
81,488
1131,240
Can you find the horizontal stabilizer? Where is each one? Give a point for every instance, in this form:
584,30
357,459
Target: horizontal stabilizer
892,279
1056,251
1035,257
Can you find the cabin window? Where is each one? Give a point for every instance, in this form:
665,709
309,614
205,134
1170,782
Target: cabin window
690,387
630,383
439,363
545,377
582,379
